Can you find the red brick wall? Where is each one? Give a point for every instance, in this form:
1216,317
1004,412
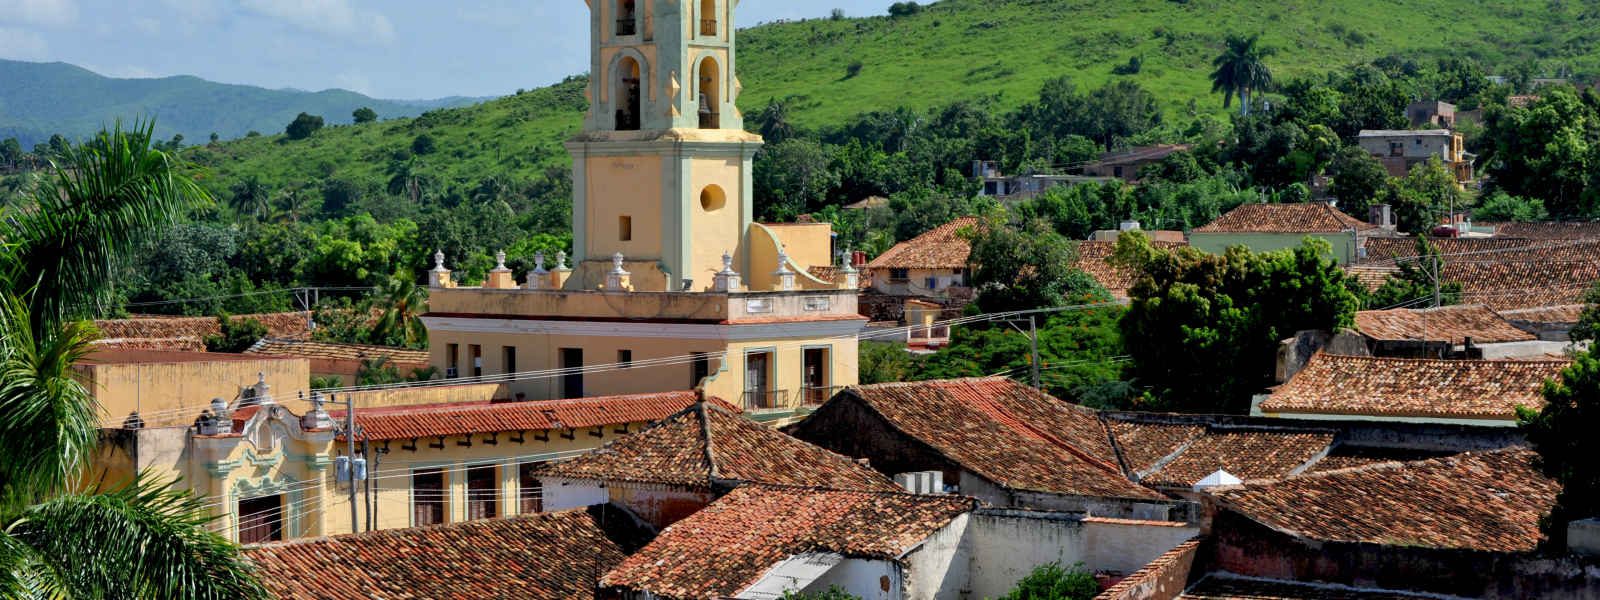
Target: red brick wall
1164,578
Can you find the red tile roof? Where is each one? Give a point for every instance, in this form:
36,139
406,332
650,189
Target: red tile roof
283,325
726,547
1486,501
433,420
1310,217
553,556
1452,324
942,248
112,356
1393,387
324,350
1548,231
1007,433
1505,273
705,444
1145,444
1248,454
1566,313
1094,258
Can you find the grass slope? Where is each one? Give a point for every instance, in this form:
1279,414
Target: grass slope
961,49
40,99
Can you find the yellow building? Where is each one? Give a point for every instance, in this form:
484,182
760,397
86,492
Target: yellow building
270,471
671,285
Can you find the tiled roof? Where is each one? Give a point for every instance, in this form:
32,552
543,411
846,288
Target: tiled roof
174,344
1451,324
1383,133
942,248
1008,433
1394,387
1226,586
1248,454
1310,217
1171,565
411,422
1566,313
115,356
1486,501
281,325
723,549
704,444
835,274
1548,231
309,349
1094,258
1145,444
546,556
1505,273
1346,456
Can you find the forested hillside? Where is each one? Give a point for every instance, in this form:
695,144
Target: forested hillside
38,100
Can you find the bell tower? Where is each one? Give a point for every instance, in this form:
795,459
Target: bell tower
661,171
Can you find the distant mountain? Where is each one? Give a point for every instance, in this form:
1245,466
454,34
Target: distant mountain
41,99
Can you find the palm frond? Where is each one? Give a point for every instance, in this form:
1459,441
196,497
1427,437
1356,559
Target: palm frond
142,541
102,199
48,420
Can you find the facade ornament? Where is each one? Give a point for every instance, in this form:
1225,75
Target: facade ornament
618,279
317,418
784,275
439,277
561,261
500,261
262,391
726,280
539,277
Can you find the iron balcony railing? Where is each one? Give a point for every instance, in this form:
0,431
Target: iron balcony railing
766,399
708,26
819,395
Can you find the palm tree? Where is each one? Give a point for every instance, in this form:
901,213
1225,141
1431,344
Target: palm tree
141,540
401,303
251,197
1241,71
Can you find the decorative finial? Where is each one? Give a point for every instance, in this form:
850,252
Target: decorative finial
616,263
500,260
783,261
561,261
438,261
538,261
727,262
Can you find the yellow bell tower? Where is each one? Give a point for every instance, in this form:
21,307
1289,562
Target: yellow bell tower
662,169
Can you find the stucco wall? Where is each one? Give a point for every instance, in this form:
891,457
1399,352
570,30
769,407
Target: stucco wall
1343,251
939,569
564,495
175,393
864,579
1006,545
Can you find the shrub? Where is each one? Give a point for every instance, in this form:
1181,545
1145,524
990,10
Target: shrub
1133,67
852,70
237,335
904,9
303,126
1052,582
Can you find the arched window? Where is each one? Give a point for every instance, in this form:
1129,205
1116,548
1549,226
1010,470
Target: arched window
708,17
627,18
710,94
625,94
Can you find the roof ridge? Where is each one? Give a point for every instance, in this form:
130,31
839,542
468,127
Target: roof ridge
882,493
1459,361
1393,464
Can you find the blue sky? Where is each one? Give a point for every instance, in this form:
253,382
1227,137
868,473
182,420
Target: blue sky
407,49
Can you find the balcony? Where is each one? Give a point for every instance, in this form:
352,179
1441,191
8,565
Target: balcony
814,396
708,27
766,400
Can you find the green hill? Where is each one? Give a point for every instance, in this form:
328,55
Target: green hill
41,99
962,49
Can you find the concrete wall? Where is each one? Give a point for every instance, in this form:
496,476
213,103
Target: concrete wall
1006,545
940,568
1165,578
916,282
561,494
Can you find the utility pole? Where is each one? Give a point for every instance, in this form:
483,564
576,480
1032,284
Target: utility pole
1436,295
1033,342
350,454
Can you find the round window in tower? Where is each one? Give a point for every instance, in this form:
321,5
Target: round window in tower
712,198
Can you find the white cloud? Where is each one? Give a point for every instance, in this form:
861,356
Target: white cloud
39,12
337,18
17,44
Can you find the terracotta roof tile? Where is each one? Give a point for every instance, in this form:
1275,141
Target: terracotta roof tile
309,349
723,549
172,344
1348,457
677,451
1548,231
835,275
1008,433
941,248
1505,273
1248,454
1226,586
1451,324
432,420
1145,444
546,556
1486,501
1566,313
1094,258
282,325
1394,387
1310,217
1171,564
